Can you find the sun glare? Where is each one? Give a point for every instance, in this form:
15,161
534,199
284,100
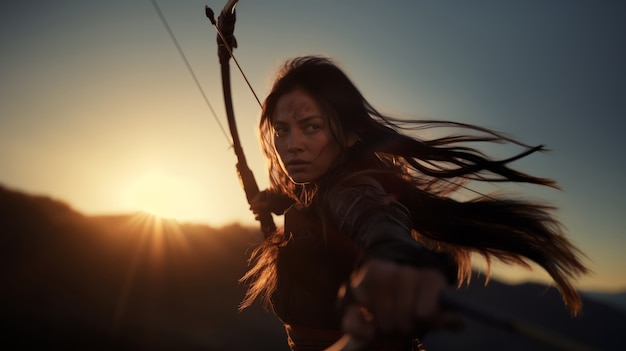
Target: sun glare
160,195
159,239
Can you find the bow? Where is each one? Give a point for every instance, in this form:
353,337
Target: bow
226,42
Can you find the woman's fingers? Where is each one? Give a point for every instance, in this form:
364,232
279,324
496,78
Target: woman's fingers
358,322
399,300
259,203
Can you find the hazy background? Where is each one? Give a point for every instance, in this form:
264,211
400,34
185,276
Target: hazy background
98,109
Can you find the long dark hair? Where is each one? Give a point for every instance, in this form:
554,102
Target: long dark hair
423,174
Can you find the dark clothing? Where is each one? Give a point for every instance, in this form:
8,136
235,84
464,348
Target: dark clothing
324,247
311,267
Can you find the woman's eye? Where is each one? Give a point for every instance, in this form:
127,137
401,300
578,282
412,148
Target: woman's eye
278,132
312,127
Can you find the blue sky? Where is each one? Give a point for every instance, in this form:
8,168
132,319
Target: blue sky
98,109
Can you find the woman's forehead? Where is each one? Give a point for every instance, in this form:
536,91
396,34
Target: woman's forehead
296,104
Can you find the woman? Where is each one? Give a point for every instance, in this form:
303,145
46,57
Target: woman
369,213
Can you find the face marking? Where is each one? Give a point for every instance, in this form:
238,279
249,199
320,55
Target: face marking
303,138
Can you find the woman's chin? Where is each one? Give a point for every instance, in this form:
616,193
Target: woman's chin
301,179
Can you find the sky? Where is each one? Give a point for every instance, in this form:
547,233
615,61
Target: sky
99,110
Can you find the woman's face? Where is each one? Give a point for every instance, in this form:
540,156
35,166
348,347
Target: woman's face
302,137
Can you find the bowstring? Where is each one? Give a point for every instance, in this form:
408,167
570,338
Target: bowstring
191,71
230,53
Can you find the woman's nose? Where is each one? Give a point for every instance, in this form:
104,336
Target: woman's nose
295,142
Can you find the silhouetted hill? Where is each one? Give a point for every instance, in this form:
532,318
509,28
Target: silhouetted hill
612,299
123,282
133,282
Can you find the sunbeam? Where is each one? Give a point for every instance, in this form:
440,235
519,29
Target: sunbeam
159,239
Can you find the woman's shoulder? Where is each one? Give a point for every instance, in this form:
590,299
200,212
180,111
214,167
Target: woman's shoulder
360,180
351,190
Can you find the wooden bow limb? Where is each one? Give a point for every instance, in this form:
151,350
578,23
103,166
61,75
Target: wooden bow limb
225,26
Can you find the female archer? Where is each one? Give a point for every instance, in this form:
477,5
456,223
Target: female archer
370,214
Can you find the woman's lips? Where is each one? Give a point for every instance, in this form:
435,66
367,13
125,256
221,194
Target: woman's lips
297,165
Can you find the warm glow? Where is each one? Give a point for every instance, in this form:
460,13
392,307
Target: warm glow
161,195
157,237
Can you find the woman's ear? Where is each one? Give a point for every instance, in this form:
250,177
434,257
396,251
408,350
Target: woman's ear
352,139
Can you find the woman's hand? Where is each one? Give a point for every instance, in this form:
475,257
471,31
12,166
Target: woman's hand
268,201
391,300
260,203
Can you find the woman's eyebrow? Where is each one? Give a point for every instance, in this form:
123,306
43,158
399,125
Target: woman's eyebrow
310,118
302,120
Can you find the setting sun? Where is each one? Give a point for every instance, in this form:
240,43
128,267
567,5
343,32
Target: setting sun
160,194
